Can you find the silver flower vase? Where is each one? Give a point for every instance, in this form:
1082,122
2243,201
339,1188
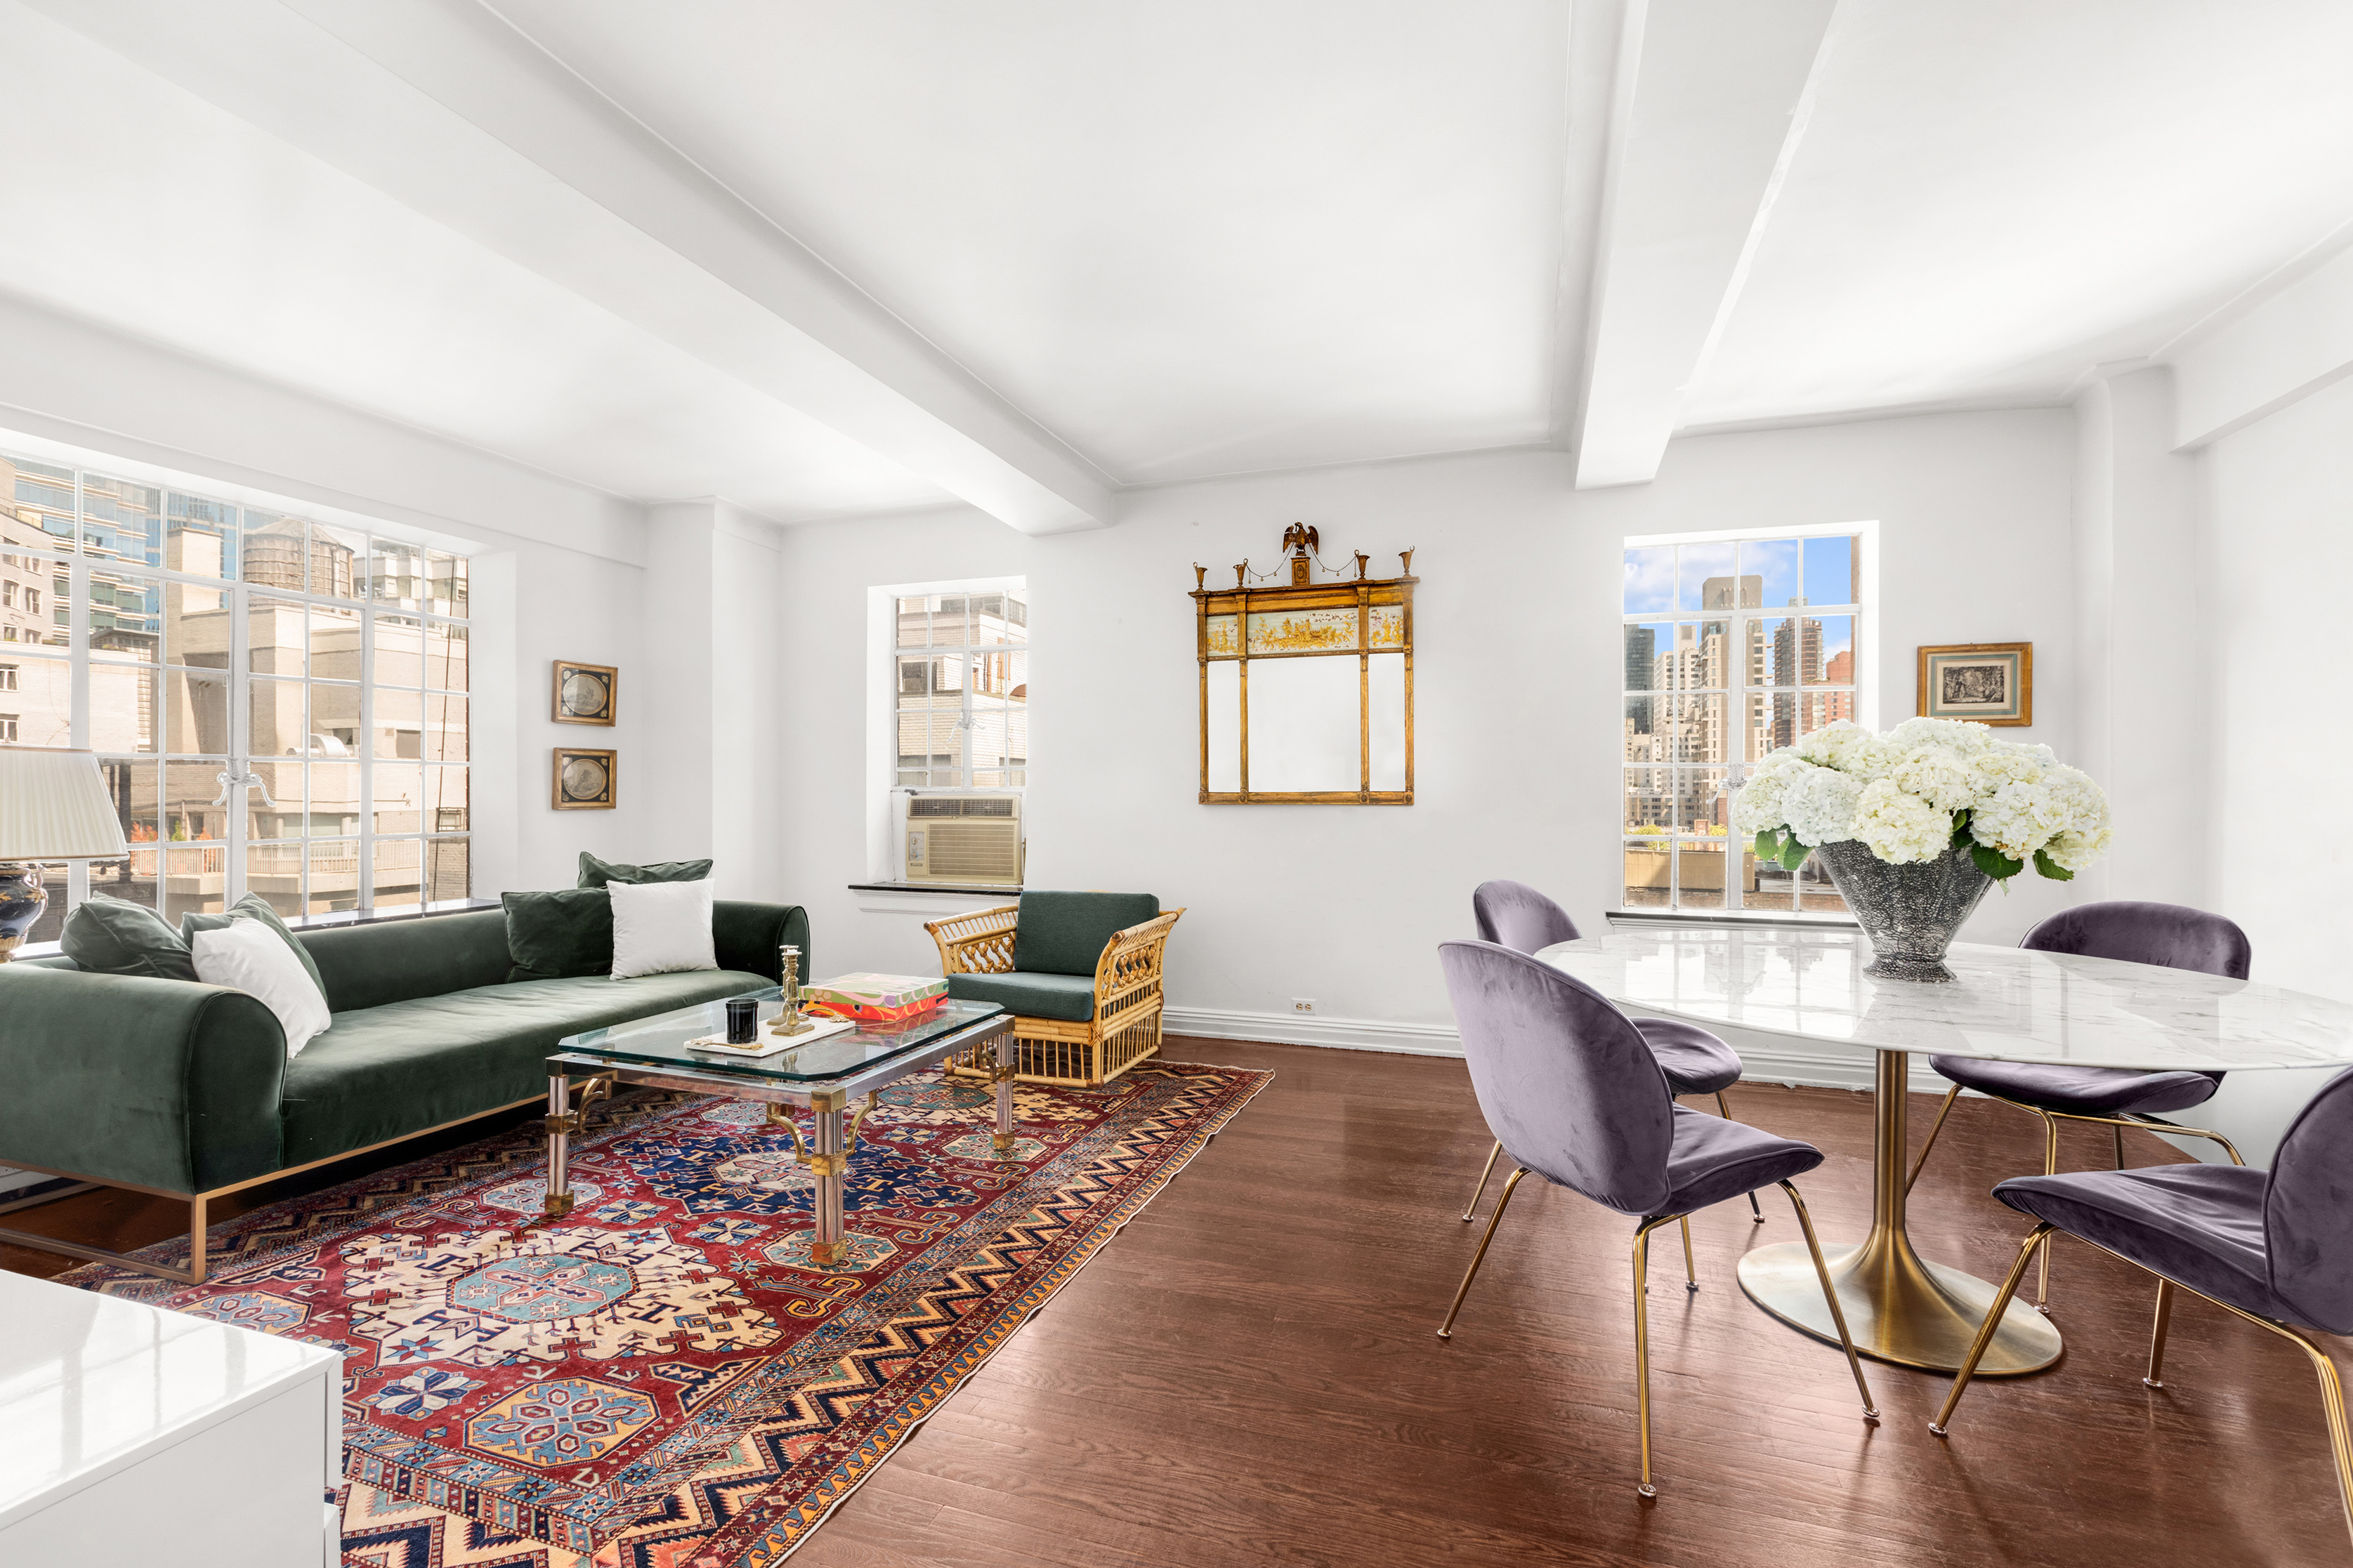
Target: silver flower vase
1911,914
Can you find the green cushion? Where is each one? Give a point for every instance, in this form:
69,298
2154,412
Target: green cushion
114,936
557,936
596,873
252,907
1071,997
1065,933
393,961
385,1072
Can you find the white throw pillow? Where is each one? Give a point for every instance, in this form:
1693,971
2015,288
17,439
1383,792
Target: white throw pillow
662,926
248,956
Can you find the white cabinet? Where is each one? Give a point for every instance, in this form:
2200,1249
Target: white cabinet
133,1436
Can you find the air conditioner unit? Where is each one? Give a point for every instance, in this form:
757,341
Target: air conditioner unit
955,838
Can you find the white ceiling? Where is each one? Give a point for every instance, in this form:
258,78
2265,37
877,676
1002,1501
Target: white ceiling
1190,239
1994,196
833,259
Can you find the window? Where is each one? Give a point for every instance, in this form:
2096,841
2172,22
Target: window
7,727
961,702
1735,647
279,703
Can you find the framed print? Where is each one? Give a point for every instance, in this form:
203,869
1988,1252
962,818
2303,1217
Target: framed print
584,692
1990,683
584,780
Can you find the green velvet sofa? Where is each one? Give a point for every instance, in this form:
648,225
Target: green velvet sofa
183,1089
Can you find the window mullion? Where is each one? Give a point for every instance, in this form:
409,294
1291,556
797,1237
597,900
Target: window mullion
365,895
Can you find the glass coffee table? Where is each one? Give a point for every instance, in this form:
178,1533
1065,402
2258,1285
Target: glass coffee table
825,1076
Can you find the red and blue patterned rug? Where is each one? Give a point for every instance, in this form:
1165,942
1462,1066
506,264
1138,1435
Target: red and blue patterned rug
660,1379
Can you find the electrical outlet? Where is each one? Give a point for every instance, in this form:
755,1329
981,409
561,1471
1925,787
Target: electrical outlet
1303,1004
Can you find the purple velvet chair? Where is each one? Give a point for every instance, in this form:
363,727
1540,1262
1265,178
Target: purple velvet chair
1516,916
1571,1087
2164,934
2274,1247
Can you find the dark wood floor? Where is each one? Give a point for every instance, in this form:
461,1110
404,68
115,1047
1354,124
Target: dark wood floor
1248,1375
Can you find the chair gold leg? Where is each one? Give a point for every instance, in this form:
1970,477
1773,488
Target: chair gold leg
1934,1127
1984,1330
1446,1329
2050,1168
1829,1294
1755,1213
2157,1332
1486,1171
1643,1349
2340,1437
1691,1270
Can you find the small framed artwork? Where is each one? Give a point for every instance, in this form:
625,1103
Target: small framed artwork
584,780
584,692
1990,682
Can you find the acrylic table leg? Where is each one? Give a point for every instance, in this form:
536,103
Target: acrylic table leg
826,1163
1005,1062
559,1151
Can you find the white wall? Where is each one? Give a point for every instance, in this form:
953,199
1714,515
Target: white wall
1516,704
2275,549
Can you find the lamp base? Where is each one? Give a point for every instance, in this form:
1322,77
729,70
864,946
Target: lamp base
22,899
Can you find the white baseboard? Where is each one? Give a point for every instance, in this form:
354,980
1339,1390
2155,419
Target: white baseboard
1307,1030
1769,1059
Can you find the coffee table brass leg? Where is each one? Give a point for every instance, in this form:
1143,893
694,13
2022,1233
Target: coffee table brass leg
826,1163
559,1151
1005,1062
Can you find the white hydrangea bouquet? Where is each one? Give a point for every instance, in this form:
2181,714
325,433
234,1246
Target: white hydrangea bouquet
1923,789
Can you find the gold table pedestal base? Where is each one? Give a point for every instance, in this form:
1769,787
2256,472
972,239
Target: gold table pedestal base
1901,1310
1914,1314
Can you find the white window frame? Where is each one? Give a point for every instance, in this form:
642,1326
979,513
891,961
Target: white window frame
1744,748
883,702
235,846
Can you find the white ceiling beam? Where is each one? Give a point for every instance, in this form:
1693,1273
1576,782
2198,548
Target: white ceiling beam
444,107
1710,102
2294,341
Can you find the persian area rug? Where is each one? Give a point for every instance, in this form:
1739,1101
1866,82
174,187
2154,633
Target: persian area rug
660,1379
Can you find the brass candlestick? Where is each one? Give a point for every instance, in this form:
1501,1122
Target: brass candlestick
789,1021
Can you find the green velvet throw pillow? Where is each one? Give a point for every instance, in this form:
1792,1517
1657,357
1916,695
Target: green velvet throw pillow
1065,933
596,873
557,936
253,907
115,936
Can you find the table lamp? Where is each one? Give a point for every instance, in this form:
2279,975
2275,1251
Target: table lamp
53,807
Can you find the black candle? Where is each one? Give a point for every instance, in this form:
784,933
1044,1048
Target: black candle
743,1019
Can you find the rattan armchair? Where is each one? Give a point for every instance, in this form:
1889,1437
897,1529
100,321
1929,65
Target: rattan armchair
1124,1026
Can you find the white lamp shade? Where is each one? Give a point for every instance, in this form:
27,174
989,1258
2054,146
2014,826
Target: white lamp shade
54,806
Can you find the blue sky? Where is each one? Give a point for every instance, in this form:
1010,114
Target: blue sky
1667,580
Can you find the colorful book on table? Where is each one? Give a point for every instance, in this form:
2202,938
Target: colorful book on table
876,998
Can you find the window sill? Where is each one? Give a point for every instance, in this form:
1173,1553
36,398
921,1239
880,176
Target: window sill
327,923
960,889
1730,918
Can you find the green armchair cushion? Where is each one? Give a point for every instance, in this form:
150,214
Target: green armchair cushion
1071,997
1065,933
596,873
252,907
386,1072
560,936
115,936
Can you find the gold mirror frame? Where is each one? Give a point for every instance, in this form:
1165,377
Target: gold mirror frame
1382,612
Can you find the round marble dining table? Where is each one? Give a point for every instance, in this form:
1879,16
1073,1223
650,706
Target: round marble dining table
2009,1004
